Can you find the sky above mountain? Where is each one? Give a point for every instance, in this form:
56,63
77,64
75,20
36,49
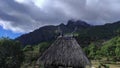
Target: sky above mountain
8,33
22,16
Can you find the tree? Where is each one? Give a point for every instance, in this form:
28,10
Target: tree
43,46
11,55
117,50
33,52
111,48
93,51
108,50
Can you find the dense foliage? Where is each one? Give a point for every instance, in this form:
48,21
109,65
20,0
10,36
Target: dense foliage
32,53
11,55
109,50
102,42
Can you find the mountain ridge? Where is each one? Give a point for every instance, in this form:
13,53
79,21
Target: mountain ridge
86,32
47,33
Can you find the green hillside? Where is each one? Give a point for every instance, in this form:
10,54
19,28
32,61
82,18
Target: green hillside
85,33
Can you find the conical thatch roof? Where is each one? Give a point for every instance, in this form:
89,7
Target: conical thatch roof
65,51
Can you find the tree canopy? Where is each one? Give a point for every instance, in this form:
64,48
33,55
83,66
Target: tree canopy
11,55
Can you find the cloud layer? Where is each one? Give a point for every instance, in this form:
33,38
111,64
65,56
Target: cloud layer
28,15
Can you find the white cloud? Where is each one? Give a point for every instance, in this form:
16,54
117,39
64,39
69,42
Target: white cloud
21,1
7,25
28,15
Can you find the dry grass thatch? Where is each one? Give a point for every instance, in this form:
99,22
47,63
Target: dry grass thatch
65,51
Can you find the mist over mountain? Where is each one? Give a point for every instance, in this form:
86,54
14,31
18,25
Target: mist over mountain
23,16
86,32
49,32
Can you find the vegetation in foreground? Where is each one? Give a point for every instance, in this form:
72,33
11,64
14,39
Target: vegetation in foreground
11,54
14,55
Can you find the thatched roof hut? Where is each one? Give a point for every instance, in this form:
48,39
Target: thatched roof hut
66,52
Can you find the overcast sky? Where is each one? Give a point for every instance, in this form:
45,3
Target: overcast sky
23,16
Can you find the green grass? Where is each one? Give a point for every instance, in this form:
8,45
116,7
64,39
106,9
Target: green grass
112,65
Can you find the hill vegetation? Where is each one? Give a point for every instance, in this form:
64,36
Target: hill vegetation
50,33
109,49
12,55
85,33
98,42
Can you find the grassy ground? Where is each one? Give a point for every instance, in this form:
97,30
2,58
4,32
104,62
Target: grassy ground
97,63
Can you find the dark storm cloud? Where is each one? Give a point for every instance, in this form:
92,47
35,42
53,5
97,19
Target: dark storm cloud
25,16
